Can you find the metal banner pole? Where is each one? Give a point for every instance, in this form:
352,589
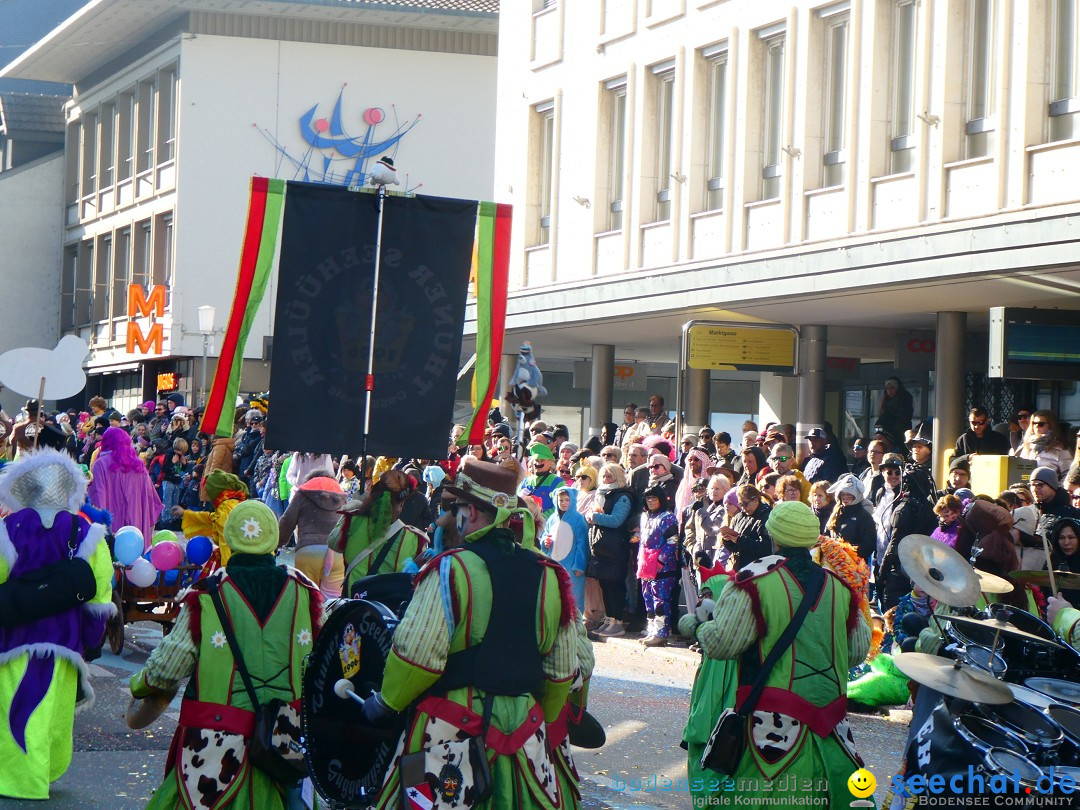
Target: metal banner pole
369,380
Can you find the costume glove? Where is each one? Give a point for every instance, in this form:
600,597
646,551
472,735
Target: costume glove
375,708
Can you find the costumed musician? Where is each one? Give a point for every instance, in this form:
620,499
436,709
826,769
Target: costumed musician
487,653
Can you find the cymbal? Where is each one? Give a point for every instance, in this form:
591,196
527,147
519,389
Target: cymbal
1063,579
953,678
939,570
988,583
997,625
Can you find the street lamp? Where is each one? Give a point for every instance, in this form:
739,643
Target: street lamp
206,327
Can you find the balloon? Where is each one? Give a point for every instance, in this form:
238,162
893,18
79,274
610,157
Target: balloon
199,549
171,577
142,573
162,536
166,555
128,545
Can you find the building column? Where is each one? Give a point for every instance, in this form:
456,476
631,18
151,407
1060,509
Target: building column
506,371
696,405
602,386
778,400
813,343
948,384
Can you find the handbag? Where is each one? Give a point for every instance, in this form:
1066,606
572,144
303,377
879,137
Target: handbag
274,747
727,743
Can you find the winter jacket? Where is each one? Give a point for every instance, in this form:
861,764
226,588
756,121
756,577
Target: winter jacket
753,542
609,536
220,458
855,525
312,513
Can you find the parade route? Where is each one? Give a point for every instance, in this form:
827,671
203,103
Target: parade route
640,695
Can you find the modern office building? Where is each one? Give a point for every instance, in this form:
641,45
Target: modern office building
875,173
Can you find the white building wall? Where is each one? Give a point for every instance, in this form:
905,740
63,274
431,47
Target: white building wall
31,207
569,50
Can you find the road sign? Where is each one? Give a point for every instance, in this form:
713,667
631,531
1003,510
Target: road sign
731,347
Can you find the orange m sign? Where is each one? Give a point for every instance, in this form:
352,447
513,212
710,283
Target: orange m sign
142,305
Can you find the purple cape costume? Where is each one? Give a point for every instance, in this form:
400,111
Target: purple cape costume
128,496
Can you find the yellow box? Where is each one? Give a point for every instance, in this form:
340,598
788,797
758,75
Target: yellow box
992,474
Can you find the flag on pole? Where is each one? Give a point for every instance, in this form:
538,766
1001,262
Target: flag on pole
256,264
491,272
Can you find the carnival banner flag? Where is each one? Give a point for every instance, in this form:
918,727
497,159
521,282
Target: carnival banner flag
322,321
491,269
256,265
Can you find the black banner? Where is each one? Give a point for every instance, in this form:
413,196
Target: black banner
322,321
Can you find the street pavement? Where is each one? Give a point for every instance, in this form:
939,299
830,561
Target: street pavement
640,695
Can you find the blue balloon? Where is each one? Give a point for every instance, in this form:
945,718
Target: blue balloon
199,549
171,577
127,545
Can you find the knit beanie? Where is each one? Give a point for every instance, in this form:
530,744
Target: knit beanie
1046,475
793,524
251,528
220,481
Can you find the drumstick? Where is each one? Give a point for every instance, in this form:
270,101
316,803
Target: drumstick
1049,567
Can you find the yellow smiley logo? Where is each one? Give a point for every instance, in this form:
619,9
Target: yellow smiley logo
861,783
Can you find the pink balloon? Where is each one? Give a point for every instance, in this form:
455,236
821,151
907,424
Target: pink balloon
166,555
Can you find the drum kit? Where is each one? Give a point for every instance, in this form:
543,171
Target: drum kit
1009,695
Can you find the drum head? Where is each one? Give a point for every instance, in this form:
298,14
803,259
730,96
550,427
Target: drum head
1061,691
347,756
988,735
1029,697
1032,725
1068,717
987,661
1002,761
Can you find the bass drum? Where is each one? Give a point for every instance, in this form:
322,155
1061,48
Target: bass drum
348,756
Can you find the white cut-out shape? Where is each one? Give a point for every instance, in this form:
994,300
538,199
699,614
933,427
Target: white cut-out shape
21,370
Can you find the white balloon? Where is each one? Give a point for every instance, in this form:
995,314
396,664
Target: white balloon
142,573
562,543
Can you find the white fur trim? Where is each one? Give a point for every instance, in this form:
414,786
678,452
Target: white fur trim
100,609
7,548
28,462
94,535
42,650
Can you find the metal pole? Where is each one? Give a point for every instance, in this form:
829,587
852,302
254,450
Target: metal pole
602,386
811,380
369,380
202,383
948,385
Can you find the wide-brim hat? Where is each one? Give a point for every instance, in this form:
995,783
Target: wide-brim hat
924,434
489,486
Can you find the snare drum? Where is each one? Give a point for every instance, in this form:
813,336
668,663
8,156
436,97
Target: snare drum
981,658
985,735
1042,735
1004,762
1068,717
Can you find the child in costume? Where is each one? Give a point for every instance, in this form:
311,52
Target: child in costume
566,540
658,563
224,491
41,663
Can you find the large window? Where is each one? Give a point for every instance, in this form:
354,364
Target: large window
102,277
979,129
717,122
902,136
1064,84
545,114
664,76
617,152
836,42
67,287
84,284
773,118
121,273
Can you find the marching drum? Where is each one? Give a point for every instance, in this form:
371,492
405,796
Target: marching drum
982,658
983,735
1025,655
348,757
1068,717
1042,736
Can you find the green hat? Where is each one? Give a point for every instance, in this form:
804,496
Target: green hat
793,524
541,451
251,528
219,481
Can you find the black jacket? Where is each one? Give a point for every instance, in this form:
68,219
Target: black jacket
856,526
992,443
1054,509
753,542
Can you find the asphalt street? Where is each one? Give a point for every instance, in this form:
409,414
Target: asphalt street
640,695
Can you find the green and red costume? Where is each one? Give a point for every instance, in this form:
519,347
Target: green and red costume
798,743
275,614
450,614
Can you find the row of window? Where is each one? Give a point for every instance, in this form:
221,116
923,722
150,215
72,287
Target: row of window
96,274
123,149
765,131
